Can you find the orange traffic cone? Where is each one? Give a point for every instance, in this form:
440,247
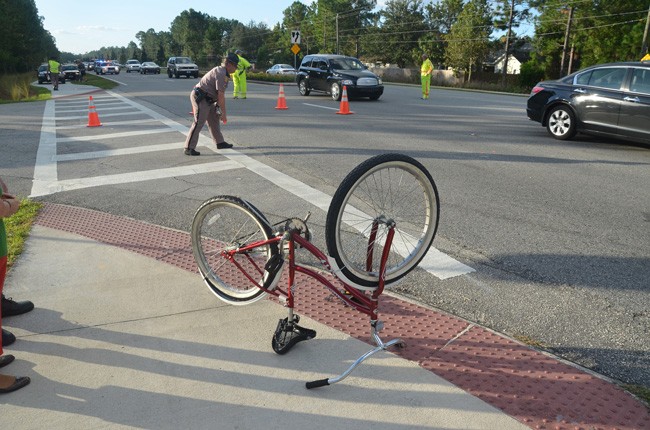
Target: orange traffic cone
344,109
282,102
93,118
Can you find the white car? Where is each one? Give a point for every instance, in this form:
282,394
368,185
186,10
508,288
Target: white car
132,66
281,69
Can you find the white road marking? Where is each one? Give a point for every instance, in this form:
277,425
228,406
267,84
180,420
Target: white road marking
46,181
322,107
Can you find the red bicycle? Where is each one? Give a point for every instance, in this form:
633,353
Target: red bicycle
380,224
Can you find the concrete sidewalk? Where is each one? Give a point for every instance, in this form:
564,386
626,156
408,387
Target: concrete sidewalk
126,335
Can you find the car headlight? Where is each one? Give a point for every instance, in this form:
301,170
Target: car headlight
347,82
379,81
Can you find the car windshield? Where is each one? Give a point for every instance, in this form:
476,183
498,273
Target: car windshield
42,68
346,64
285,66
183,60
69,67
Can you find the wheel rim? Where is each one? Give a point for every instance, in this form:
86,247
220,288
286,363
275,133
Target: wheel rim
223,225
398,191
303,87
559,122
336,91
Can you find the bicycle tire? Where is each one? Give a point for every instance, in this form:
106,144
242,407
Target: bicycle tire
227,222
394,186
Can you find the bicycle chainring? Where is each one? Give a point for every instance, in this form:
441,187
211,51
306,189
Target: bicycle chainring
300,226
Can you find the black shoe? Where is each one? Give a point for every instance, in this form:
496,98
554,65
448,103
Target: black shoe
6,359
191,152
224,145
7,338
20,382
11,307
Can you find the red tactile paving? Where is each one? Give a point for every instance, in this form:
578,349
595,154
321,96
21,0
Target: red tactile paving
536,389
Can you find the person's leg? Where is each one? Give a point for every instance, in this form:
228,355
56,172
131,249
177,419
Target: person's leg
55,80
426,83
200,115
242,85
7,383
214,126
235,85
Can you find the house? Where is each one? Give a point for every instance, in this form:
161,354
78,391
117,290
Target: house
516,58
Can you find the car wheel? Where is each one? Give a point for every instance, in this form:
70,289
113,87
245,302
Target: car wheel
169,74
176,75
335,91
561,123
303,87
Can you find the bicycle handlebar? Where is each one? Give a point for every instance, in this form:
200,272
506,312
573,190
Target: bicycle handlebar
316,384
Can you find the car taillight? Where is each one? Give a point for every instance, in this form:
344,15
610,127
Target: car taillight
536,89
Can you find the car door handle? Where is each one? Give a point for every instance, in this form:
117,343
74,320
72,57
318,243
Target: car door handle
580,90
632,99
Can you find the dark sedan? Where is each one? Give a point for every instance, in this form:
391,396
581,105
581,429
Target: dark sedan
149,67
608,99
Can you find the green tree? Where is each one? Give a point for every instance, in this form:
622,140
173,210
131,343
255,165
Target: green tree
469,37
439,18
25,43
188,30
402,23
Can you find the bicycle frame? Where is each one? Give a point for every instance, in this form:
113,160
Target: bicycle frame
353,295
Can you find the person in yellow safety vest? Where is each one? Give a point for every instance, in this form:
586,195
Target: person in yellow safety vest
53,68
239,77
425,74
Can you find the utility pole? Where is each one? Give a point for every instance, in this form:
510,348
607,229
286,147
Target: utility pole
644,45
566,40
337,33
505,61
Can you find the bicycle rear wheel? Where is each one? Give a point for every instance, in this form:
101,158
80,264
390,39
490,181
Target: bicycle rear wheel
227,223
387,187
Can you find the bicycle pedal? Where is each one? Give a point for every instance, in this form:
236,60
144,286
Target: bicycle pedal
272,271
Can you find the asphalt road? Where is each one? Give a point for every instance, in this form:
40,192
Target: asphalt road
557,233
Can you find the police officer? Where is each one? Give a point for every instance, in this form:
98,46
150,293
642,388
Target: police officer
239,77
53,68
209,104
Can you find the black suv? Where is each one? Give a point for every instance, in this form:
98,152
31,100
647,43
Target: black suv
330,73
177,66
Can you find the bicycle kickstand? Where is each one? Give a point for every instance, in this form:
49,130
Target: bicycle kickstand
381,346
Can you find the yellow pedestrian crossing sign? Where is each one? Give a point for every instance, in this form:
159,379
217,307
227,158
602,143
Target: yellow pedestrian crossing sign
295,49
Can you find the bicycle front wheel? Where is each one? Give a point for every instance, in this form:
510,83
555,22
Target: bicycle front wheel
384,189
222,229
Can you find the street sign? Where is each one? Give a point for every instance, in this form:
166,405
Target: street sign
295,36
295,49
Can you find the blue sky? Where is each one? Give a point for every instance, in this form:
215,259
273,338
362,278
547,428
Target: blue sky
80,26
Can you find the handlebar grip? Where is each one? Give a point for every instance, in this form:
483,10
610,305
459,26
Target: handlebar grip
316,384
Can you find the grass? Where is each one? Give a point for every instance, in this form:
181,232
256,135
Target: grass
641,392
18,227
96,81
18,88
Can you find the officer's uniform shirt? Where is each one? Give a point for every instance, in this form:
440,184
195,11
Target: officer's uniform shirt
214,81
